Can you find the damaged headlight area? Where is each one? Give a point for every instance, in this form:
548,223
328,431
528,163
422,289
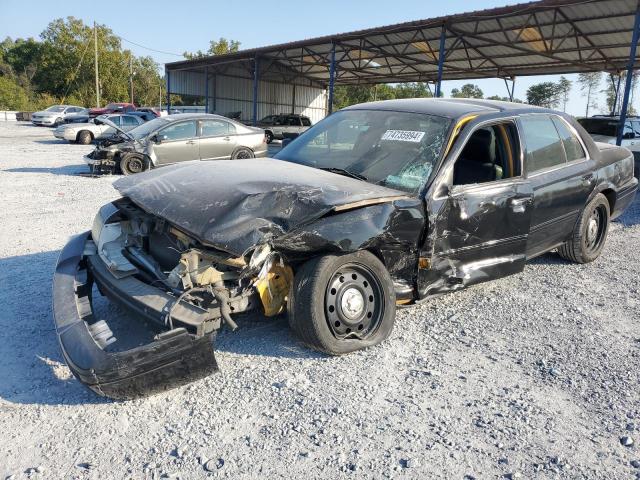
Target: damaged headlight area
184,290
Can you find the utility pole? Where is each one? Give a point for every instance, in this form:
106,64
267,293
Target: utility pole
95,49
131,75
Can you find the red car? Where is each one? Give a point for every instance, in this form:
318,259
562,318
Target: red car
112,108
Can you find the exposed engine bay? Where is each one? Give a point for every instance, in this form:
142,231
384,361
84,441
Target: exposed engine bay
213,283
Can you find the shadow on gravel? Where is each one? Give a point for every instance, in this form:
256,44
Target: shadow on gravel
631,216
268,337
53,141
71,170
32,370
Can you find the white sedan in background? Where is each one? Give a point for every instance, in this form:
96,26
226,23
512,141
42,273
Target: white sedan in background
55,115
86,133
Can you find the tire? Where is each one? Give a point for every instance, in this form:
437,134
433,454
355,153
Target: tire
58,122
590,232
316,307
133,163
269,136
85,137
242,153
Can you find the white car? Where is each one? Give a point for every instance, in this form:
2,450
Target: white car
604,128
86,133
279,126
55,115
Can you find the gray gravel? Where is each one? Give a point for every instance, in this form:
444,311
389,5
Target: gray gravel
533,376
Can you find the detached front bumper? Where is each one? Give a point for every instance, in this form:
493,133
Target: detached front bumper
173,358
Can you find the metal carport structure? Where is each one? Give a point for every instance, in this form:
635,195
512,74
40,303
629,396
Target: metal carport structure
536,38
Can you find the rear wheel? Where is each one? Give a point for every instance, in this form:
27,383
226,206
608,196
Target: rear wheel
340,304
589,234
84,137
133,163
242,153
269,136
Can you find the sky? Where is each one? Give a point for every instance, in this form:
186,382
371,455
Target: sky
168,28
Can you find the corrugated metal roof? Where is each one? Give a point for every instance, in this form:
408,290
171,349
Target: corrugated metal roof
544,37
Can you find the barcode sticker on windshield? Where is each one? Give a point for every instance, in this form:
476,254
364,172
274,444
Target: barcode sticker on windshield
403,136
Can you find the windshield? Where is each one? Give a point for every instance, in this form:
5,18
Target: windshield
55,108
146,128
594,126
394,149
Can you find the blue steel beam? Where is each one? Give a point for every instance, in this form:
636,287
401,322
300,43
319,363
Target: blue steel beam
255,90
441,54
627,82
332,75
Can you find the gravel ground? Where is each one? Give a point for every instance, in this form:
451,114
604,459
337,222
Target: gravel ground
533,376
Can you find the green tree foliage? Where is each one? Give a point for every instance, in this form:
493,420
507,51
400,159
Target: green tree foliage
219,47
12,95
468,90
504,99
545,94
564,89
345,95
60,67
589,82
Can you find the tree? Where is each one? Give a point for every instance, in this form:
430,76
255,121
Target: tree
219,47
468,90
545,94
564,88
12,95
504,99
589,82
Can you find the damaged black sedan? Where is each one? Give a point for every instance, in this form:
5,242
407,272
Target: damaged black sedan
379,205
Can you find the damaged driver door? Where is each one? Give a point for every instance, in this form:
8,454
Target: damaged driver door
481,221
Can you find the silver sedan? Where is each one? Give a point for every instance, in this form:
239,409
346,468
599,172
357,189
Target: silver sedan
177,138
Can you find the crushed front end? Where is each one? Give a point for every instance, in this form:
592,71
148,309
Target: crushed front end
183,290
104,158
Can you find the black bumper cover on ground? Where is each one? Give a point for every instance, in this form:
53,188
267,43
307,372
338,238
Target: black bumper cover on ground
173,358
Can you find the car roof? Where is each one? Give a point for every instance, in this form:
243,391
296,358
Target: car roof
448,107
195,116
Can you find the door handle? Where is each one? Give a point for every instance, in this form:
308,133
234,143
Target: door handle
191,142
227,139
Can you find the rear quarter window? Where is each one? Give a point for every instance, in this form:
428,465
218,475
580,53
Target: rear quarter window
572,146
543,147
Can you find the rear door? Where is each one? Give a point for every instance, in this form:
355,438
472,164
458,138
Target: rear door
561,175
217,139
177,142
481,223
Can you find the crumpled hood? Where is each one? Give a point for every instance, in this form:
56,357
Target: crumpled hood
237,204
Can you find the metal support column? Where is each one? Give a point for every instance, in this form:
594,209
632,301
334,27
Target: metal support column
332,74
215,93
510,90
443,35
616,89
255,90
627,83
167,74
206,89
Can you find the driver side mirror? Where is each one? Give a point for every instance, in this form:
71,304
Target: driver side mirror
157,138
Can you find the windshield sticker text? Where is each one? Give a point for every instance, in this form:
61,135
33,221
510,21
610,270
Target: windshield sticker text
403,136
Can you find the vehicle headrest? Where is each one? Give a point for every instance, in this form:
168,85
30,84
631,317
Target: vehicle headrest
478,147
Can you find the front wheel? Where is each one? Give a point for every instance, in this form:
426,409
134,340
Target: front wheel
342,303
589,234
84,137
133,163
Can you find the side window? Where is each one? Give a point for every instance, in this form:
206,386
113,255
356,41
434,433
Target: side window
212,128
129,121
117,120
293,121
491,153
543,145
306,122
572,146
180,131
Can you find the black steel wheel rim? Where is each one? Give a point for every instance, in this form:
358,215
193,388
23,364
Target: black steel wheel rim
243,154
354,302
134,165
595,228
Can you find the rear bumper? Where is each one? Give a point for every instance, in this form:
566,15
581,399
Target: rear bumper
173,358
625,197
